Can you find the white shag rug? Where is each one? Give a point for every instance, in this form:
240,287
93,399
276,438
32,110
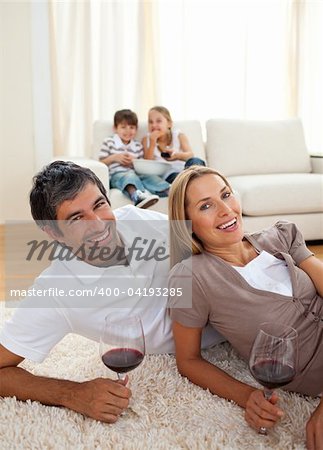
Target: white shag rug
166,411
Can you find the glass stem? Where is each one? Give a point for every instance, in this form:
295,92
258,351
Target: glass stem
268,393
121,376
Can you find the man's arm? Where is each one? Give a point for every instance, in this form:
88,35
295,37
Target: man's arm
101,399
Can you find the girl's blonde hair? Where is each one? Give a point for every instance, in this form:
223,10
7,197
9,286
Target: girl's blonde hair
164,111
184,243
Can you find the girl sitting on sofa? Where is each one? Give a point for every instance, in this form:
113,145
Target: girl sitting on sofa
164,143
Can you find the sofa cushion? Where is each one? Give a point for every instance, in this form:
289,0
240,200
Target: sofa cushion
191,128
263,195
245,147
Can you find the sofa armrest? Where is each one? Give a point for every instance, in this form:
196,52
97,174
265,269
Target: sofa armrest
317,163
100,169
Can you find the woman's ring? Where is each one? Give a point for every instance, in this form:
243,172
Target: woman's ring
262,430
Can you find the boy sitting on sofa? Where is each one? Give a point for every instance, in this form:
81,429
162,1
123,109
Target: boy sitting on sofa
119,151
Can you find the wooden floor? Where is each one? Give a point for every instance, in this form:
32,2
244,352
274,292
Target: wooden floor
22,274
317,249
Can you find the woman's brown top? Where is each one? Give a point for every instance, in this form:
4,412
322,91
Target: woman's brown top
221,296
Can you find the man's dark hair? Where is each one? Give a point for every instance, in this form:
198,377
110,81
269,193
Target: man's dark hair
55,183
125,115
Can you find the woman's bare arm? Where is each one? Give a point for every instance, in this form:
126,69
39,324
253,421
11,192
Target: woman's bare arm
259,411
314,269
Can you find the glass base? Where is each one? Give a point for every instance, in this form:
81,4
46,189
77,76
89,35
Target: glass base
269,439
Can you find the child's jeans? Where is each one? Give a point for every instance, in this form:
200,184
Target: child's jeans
152,183
190,162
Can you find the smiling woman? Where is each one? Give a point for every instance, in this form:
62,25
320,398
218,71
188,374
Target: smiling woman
237,282
215,213
195,201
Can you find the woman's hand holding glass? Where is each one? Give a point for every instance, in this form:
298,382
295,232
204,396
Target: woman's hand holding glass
273,363
261,413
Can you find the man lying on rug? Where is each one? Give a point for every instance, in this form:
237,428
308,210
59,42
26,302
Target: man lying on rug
121,253
240,281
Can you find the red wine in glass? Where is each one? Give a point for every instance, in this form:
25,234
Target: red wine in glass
122,360
273,357
272,374
122,343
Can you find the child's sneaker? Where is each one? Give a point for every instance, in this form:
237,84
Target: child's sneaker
144,200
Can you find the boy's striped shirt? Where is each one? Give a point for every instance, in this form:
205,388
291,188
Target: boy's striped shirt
113,145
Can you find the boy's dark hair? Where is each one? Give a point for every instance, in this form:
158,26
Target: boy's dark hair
55,183
125,115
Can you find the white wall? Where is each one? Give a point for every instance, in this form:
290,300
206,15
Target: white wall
17,154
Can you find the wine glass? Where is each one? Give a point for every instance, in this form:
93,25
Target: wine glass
273,357
122,343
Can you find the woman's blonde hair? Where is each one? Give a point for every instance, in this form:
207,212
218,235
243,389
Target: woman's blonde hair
184,243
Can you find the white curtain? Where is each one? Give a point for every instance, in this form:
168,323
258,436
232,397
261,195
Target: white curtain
258,59
71,58
224,58
310,72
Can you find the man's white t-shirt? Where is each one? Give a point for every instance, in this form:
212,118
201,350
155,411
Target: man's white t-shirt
137,288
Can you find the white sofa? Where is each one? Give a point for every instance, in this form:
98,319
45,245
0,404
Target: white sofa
267,162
